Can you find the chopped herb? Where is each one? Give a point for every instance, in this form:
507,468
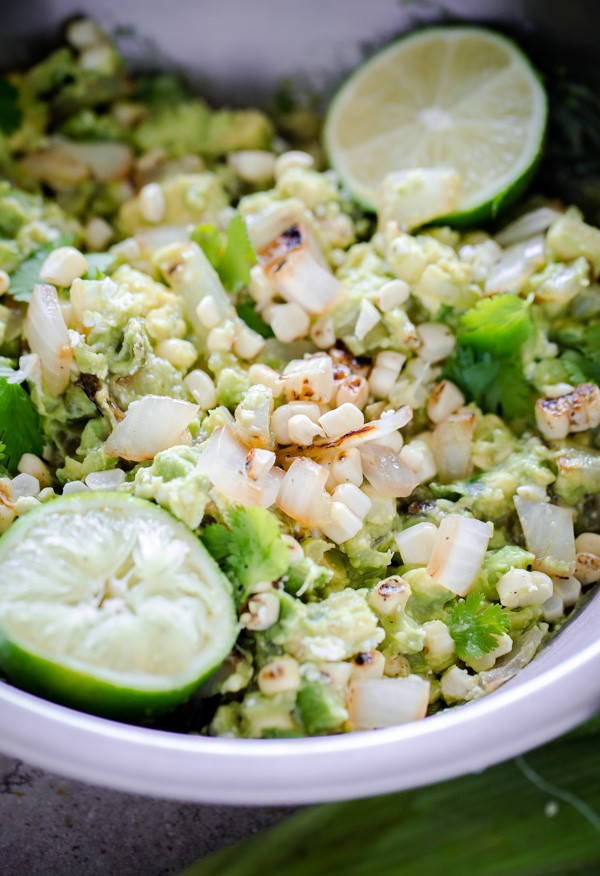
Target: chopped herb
496,384
247,311
250,548
500,324
20,427
474,628
230,253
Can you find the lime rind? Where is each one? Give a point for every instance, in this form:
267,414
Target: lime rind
505,190
54,668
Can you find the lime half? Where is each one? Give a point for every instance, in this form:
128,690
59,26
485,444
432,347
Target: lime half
109,604
456,97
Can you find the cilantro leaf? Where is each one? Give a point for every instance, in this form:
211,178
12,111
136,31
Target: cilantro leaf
20,427
99,264
499,325
475,628
230,253
247,311
249,548
27,274
2,449
579,368
10,110
495,384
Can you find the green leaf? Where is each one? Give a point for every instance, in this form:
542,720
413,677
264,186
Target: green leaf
247,311
579,368
497,385
99,264
238,257
533,816
10,110
230,253
499,325
20,427
27,274
249,547
475,628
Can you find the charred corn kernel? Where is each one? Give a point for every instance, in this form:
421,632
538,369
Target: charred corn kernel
419,457
295,548
282,674
353,498
457,684
416,543
445,399
289,322
259,462
262,374
481,664
353,390
220,339
381,381
181,354
293,158
25,485
389,595
202,389
322,334
438,643
247,343
282,415
252,165
368,664
368,317
152,203
302,430
553,609
437,341
262,611
569,590
343,524
392,294
309,379
207,312
518,587
587,568
32,465
574,412
347,467
75,487
346,418
7,515
4,282
397,666
588,543
98,234
63,265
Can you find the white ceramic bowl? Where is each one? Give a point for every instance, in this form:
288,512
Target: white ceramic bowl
245,47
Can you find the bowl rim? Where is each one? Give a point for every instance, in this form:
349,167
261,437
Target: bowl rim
204,769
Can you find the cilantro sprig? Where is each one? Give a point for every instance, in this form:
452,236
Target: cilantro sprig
230,253
20,426
249,548
486,365
27,274
475,628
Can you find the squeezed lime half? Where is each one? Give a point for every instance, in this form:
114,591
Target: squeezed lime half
459,97
110,605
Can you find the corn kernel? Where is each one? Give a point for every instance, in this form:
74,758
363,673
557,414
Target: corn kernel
368,317
445,399
32,465
457,684
347,467
353,390
346,418
282,674
569,590
553,609
587,568
518,588
391,360
247,343
353,498
289,322
390,595
98,234
392,294
438,643
262,612
309,379
4,282
63,265
437,341
382,381
262,374
75,487
252,165
181,354
208,313
588,543
368,664
259,287
302,430
481,664
322,333
344,524
152,203
417,455
25,485
202,389
282,416
221,338
292,158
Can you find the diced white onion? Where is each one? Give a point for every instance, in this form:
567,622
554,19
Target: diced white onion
223,460
374,703
386,472
515,266
520,657
452,444
151,424
301,495
48,337
548,531
527,226
105,480
458,552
